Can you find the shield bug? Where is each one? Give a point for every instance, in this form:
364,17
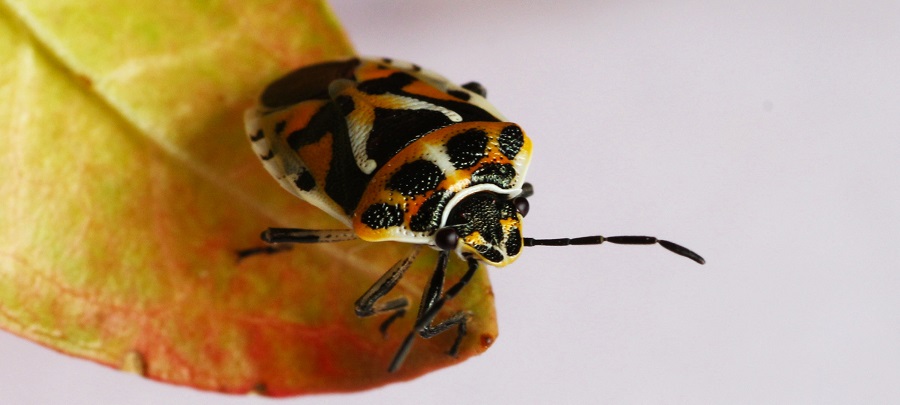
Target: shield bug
399,153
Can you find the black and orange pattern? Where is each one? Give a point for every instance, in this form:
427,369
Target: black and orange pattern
391,149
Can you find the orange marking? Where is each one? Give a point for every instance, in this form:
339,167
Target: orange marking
475,239
298,116
509,224
370,71
317,157
424,89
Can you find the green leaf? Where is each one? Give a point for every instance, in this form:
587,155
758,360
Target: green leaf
128,186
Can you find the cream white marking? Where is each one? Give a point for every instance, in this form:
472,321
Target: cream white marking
472,190
360,120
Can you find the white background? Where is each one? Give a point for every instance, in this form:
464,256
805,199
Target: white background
765,135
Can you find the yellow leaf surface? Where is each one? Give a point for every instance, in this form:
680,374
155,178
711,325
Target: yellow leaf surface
128,186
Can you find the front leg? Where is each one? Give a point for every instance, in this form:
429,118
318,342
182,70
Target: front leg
431,297
432,302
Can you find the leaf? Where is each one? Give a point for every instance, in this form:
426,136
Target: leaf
128,186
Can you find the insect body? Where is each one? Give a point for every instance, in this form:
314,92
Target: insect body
399,153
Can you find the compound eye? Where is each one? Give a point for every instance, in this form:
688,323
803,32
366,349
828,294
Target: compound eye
446,238
521,205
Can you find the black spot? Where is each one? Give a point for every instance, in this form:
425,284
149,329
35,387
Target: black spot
429,216
279,127
305,181
259,135
511,141
268,156
476,88
416,68
467,148
345,104
307,83
500,174
459,94
381,216
416,178
513,243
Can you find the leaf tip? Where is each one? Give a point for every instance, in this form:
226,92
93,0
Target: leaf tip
487,340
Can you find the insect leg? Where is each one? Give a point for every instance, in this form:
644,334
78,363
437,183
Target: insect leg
294,235
621,240
431,304
264,250
366,304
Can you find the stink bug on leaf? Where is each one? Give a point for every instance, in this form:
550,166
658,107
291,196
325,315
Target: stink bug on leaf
399,153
